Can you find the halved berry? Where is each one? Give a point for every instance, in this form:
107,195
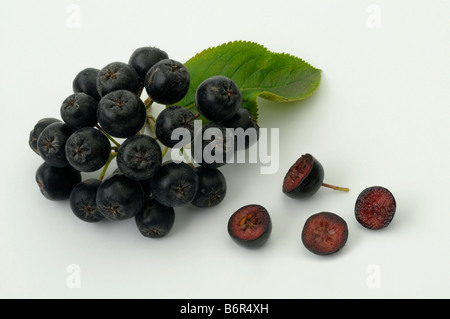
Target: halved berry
375,207
305,177
250,226
324,233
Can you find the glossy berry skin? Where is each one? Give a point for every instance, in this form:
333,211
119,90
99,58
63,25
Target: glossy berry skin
37,130
170,119
167,82
139,157
51,144
246,130
144,58
121,113
174,184
118,76
88,149
375,207
119,197
324,233
86,82
155,220
250,226
213,146
56,183
212,187
218,98
79,110
304,177
82,201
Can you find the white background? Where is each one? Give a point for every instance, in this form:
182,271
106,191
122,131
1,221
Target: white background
380,117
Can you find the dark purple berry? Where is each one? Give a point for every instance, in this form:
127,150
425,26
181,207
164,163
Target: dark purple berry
118,76
37,130
218,98
167,82
139,157
88,149
86,82
172,118
83,201
144,58
212,187
56,183
51,144
79,110
155,220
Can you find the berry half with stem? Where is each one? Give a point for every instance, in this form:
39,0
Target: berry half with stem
250,226
324,233
375,207
305,177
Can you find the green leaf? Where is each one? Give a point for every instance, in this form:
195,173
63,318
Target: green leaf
257,71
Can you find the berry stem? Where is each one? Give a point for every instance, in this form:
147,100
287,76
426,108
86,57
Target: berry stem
107,135
111,157
165,151
338,188
186,157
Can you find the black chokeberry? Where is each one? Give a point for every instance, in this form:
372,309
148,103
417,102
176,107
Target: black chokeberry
139,157
213,145
375,207
167,82
121,113
174,184
86,82
250,226
52,142
144,58
88,149
305,177
212,187
37,130
118,76
324,233
246,129
79,110
83,201
218,98
119,197
155,220
56,183
172,118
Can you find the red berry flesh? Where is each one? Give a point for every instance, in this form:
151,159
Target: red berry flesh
250,226
304,177
375,207
324,233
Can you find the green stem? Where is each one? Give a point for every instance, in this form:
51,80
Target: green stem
165,151
338,188
108,136
186,157
111,157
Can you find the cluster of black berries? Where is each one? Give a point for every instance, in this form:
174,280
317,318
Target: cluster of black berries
105,105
